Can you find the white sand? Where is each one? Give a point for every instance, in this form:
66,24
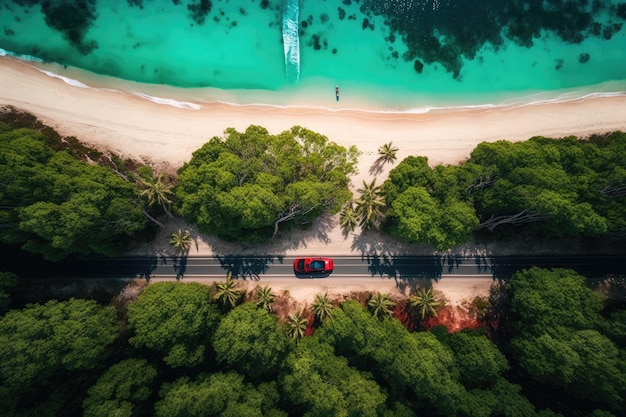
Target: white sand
167,136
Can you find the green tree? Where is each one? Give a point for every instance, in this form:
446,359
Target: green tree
249,185
250,340
321,384
348,218
58,205
181,241
322,307
417,362
296,325
264,298
478,359
429,206
425,302
42,339
381,305
220,394
387,154
556,341
157,191
227,292
8,280
120,389
174,319
370,205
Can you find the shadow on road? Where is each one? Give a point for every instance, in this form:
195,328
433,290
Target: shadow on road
249,267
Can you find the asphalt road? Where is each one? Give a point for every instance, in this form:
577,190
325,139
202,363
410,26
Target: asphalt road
385,267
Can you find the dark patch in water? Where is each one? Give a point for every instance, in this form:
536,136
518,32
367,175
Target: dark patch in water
559,64
8,32
584,58
334,51
342,13
73,19
418,66
324,18
243,11
199,11
447,31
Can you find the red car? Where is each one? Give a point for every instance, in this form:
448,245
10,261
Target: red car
313,266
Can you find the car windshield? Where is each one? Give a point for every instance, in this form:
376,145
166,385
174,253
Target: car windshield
300,264
317,264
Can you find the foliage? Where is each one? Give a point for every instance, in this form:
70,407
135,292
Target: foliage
156,191
174,319
181,241
387,154
264,298
404,361
296,325
556,340
322,307
57,205
219,394
249,340
348,218
479,360
424,302
8,280
370,206
564,187
428,206
246,185
42,339
380,305
119,389
322,384
227,293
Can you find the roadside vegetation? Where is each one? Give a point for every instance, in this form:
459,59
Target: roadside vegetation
550,346
544,344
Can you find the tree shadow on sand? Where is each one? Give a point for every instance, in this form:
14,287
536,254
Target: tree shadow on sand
247,267
296,237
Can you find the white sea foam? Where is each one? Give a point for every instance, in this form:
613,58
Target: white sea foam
4,52
169,101
67,80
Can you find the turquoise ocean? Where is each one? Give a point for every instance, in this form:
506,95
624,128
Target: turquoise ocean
393,55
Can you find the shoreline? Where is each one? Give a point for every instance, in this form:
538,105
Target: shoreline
131,125
166,136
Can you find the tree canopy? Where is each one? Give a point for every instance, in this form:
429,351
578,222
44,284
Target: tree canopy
119,389
557,339
247,185
428,206
44,338
174,319
250,340
58,205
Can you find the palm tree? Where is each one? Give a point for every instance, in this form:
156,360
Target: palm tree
387,154
322,307
369,205
297,325
181,241
227,292
381,305
348,218
264,298
156,191
425,302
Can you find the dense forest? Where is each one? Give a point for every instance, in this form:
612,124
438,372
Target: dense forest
548,344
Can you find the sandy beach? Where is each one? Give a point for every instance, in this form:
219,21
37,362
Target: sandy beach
166,135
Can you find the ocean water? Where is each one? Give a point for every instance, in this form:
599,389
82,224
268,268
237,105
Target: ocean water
388,55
